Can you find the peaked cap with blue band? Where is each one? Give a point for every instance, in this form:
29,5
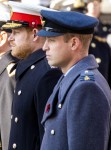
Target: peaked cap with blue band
57,23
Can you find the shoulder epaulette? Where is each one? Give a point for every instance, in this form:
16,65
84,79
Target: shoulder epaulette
100,39
87,75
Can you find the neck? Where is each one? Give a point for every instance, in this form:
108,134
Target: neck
73,62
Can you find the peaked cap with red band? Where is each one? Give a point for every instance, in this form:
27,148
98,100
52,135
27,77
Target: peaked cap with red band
23,15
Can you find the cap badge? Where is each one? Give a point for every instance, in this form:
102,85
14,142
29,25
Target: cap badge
86,78
33,23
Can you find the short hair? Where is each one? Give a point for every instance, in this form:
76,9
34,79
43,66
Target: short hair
84,38
29,29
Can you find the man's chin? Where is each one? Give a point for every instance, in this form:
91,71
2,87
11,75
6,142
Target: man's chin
52,64
20,54
17,55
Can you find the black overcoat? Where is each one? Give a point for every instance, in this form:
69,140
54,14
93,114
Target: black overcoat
26,131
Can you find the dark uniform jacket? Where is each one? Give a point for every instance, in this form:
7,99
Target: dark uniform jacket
79,117
101,50
25,124
7,83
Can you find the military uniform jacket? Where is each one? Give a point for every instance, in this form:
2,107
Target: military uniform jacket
102,53
79,117
101,50
7,83
25,133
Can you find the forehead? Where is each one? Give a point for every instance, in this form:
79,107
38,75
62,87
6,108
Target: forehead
19,29
95,3
55,37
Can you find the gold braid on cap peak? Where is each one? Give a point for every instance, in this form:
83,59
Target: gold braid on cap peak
11,25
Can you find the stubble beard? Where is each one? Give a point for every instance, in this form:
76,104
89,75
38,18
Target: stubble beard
22,51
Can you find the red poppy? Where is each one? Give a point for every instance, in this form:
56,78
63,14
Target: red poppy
47,108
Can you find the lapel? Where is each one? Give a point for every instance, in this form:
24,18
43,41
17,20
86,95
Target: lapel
6,59
86,63
23,65
50,103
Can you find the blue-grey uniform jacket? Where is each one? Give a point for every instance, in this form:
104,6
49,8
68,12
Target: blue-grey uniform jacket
79,117
7,84
25,120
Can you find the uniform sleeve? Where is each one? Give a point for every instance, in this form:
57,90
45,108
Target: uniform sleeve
87,118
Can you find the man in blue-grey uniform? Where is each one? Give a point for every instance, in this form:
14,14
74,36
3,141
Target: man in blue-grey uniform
78,113
35,78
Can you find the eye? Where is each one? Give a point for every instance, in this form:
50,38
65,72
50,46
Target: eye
15,32
51,39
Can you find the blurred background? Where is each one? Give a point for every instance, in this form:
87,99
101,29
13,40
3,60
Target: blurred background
80,6
70,5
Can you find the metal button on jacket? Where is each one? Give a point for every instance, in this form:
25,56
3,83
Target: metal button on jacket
19,92
33,66
93,45
16,119
105,29
14,146
52,132
98,60
11,116
60,106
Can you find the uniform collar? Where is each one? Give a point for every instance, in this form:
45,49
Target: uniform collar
5,60
87,63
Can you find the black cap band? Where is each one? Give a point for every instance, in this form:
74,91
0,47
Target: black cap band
86,31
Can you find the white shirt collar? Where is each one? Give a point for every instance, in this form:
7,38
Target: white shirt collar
69,71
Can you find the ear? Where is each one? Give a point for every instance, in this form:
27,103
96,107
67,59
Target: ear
3,38
35,37
75,42
0,37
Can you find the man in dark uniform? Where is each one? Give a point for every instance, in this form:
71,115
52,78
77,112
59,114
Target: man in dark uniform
101,50
7,79
78,113
32,74
99,46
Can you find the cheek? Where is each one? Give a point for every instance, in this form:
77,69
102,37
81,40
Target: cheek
20,38
61,53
